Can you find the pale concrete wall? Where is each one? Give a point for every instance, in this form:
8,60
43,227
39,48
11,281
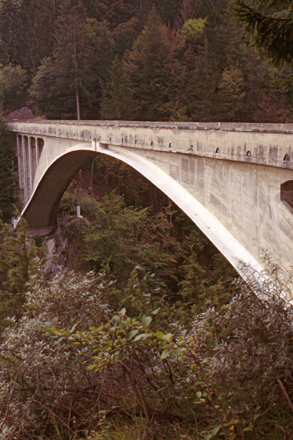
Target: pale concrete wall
268,143
244,197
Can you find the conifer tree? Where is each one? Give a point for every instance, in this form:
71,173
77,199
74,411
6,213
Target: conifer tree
7,174
45,94
26,31
116,12
72,54
232,92
201,85
103,53
125,34
167,9
270,26
13,87
36,38
10,26
117,103
155,73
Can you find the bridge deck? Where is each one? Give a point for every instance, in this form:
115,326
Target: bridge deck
266,144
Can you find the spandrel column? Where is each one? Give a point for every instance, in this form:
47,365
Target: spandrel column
26,157
20,161
33,160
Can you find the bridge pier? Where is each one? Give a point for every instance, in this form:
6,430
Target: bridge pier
29,150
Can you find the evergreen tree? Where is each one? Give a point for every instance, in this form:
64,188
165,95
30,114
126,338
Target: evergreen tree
7,174
103,49
270,27
10,27
125,34
155,73
167,9
72,54
46,94
90,6
117,103
232,92
13,87
36,38
190,9
116,12
103,52
202,82
26,31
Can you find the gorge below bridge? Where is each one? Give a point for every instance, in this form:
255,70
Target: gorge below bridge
234,180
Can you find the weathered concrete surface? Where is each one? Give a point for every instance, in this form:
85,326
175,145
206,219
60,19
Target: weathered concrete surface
226,177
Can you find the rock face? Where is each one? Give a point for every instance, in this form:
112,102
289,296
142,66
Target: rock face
19,115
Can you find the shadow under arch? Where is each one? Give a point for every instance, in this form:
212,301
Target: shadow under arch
286,194
41,210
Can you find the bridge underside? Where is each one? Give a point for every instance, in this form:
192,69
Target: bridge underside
41,212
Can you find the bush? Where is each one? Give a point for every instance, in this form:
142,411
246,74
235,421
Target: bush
46,388
71,365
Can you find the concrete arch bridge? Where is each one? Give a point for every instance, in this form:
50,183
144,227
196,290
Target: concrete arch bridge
235,181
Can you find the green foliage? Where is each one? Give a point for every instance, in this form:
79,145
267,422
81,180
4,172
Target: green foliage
152,343
17,264
232,91
65,78
160,240
231,371
125,35
171,352
13,87
201,83
122,60
110,174
116,12
72,51
45,94
9,30
123,236
8,194
270,27
193,29
117,102
47,375
26,31
155,73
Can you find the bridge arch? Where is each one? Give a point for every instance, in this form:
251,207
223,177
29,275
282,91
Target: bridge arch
42,206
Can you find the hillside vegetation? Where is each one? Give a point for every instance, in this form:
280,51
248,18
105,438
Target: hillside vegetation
132,327
183,60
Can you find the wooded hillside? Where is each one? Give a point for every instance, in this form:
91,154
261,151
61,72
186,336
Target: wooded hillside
127,59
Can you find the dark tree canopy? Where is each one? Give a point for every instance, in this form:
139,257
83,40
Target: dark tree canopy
270,25
7,173
178,63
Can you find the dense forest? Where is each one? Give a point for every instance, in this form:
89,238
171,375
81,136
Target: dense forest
127,323
184,60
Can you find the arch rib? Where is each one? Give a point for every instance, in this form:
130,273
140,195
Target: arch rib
233,251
